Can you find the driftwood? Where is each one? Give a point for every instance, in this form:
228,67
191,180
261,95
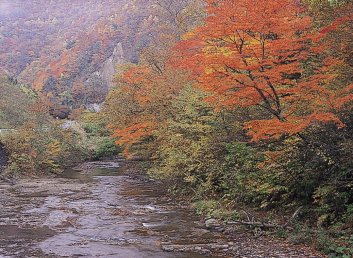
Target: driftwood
255,222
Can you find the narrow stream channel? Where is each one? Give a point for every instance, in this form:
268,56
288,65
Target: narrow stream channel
97,212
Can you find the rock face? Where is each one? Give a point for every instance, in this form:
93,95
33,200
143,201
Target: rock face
108,69
101,80
3,157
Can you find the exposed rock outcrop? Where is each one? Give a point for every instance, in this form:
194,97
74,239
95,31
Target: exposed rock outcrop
3,157
108,69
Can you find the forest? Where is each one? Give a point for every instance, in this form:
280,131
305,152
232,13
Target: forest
242,108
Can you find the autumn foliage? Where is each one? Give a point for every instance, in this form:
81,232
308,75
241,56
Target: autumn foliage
253,54
247,102
247,55
250,105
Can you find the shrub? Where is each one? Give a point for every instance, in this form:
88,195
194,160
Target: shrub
106,147
35,149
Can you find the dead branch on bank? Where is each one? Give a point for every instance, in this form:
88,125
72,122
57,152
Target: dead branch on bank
253,221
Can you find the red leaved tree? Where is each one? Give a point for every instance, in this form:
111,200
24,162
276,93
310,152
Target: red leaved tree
253,53
142,102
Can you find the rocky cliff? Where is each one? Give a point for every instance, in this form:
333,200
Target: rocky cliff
108,69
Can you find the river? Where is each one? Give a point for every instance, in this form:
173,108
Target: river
101,211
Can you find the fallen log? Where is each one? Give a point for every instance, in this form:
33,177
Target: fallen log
254,224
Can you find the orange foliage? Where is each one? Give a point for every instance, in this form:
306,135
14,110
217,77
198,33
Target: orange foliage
41,78
251,53
147,94
41,106
132,135
274,128
139,79
337,23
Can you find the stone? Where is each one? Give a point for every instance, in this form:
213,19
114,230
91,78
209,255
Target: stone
212,223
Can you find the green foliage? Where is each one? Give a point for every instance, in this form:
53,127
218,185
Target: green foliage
193,156
28,91
321,3
36,143
333,249
106,148
205,207
92,128
214,209
184,153
14,104
348,215
240,175
98,136
34,150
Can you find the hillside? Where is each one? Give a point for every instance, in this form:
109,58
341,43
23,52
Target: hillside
14,104
69,50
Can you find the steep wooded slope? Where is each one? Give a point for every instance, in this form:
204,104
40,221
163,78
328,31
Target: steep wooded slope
67,49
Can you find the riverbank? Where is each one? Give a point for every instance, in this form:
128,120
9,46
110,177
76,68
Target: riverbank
241,238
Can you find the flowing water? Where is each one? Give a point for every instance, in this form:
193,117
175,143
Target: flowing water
97,212
100,211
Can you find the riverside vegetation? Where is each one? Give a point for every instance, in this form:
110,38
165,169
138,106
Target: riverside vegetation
248,111
37,143
241,107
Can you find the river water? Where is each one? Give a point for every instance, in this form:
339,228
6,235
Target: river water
100,211
97,212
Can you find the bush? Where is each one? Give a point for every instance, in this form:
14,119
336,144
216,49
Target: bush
34,150
106,148
92,128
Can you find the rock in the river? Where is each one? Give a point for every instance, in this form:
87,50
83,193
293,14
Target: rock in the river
212,223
